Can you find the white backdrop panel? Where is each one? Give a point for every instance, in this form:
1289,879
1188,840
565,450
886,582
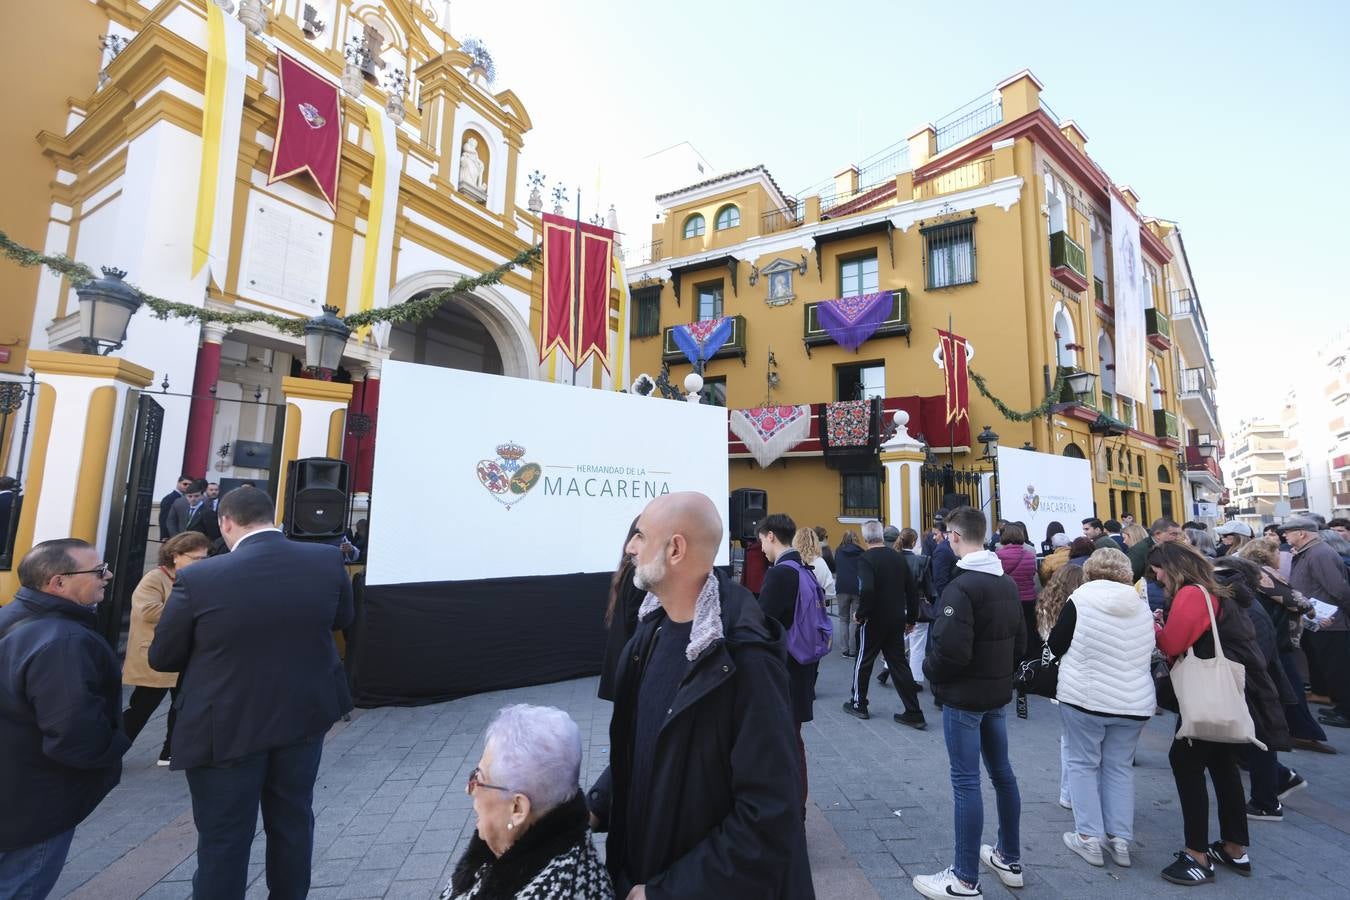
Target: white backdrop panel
452,500
1040,488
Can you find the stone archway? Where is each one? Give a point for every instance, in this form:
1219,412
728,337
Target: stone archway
487,307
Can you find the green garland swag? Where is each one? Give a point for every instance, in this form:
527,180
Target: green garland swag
413,310
1013,415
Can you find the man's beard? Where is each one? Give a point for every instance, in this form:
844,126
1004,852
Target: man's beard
647,576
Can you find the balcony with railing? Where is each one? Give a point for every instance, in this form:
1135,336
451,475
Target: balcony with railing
1199,466
641,256
734,347
1165,425
977,116
1191,328
1158,328
895,324
1197,399
1068,261
782,219
962,178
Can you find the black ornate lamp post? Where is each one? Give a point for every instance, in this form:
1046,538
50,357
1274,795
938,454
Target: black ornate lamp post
106,307
988,438
325,337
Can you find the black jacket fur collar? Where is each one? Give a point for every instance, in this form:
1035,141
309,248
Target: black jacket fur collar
556,832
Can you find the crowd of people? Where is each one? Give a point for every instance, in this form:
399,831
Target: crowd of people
711,678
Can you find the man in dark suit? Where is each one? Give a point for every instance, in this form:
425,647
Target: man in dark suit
261,684
167,503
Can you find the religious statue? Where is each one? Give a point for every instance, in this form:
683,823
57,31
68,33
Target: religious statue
472,172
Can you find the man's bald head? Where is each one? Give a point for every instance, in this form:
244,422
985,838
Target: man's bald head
678,537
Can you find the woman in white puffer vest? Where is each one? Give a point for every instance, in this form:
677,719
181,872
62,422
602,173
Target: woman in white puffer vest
1104,641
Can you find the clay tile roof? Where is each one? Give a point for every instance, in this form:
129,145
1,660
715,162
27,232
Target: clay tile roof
730,176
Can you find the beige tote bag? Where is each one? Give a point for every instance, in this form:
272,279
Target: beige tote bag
1212,694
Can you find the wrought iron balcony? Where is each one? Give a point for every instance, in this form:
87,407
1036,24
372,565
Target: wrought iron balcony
776,220
734,347
1165,425
895,324
1158,328
1068,262
1195,388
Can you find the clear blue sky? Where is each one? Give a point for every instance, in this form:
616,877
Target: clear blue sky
1231,118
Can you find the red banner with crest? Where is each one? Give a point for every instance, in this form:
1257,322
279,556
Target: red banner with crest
309,128
957,380
578,332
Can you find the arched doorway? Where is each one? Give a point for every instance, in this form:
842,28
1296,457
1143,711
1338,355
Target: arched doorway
480,332
1073,451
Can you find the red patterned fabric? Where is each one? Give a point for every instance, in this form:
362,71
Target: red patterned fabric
848,423
309,128
770,431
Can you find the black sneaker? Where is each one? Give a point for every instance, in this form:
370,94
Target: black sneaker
858,712
913,720
1296,782
885,674
1260,813
1241,865
1185,870
1333,718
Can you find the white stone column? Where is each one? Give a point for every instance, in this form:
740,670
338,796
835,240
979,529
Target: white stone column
902,457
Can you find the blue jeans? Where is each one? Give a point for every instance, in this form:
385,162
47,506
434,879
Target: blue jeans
30,873
971,735
1099,755
225,801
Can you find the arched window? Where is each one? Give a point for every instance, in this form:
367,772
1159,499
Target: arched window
1164,476
728,217
695,226
1055,204
1155,386
1073,451
1065,339
1107,379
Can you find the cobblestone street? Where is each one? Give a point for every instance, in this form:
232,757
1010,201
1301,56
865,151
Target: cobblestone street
393,816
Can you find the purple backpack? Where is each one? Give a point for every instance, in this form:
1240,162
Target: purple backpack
808,640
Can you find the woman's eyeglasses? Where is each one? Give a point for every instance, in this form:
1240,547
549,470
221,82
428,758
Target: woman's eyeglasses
476,781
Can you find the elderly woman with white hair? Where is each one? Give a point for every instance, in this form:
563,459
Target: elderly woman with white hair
533,838
1104,642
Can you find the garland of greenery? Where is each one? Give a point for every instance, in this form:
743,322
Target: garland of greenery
413,310
1013,415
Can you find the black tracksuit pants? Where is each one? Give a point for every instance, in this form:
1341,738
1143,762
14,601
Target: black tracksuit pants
889,641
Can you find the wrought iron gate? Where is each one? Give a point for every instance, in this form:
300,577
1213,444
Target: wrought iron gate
946,487
129,518
15,396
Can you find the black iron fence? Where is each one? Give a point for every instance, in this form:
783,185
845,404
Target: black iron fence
944,487
16,420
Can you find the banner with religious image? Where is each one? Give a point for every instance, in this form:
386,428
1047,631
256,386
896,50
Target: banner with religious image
309,128
770,431
850,321
1129,293
702,339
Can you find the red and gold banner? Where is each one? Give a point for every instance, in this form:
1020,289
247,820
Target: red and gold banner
957,379
309,128
578,333
597,250
557,328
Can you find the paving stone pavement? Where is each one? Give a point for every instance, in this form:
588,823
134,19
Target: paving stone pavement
392,815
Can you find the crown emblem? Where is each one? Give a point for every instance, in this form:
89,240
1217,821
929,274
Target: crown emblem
510,450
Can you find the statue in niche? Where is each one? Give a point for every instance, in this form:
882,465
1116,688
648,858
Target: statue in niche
472,171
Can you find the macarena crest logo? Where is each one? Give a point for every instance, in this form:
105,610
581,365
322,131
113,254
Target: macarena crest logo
506,478
1031,500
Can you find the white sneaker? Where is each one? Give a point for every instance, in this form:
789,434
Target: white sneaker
944,885
162,761
1119,848
1064,802
1088,848
1008,873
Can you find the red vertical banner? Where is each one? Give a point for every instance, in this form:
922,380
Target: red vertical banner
557,326
597,251
957,377
309,127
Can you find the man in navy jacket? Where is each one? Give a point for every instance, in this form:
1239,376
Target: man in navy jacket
61,738
251,632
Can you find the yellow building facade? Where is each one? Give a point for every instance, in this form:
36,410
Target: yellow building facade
996,220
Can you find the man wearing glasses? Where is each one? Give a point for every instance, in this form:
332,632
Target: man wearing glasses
977,637
61,738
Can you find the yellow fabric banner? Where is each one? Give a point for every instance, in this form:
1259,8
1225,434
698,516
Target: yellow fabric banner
383,207
213,115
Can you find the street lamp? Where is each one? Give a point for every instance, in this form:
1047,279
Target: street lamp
325,337
1208,450
989,438
1081,384
106,306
